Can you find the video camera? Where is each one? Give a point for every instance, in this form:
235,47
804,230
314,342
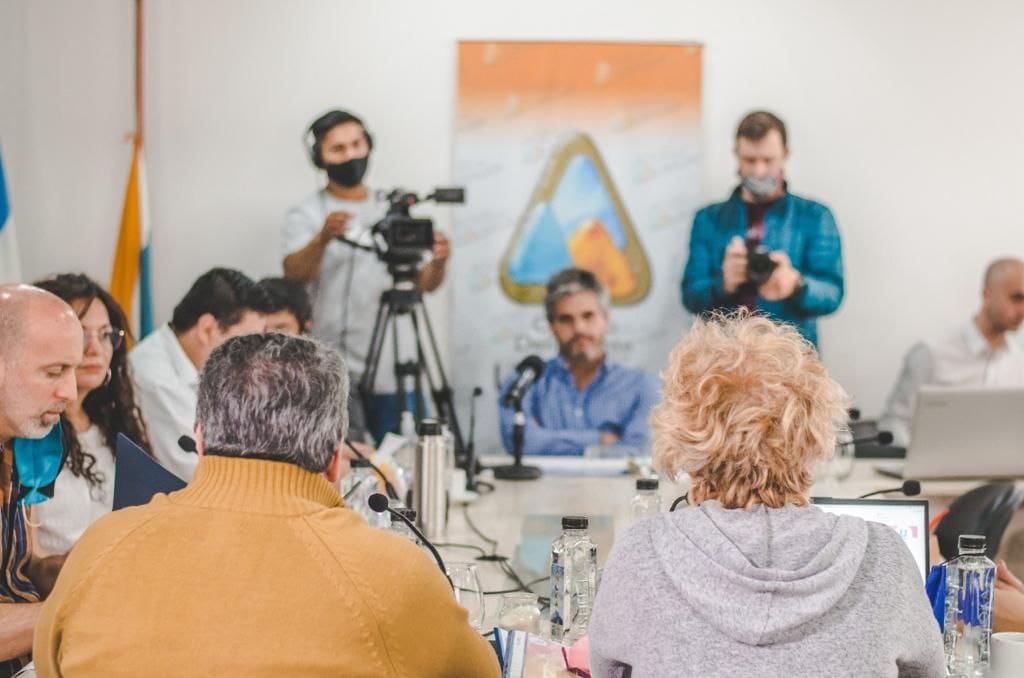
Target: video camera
401,240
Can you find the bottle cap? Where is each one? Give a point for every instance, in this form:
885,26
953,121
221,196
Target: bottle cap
575,522
428,427
407,512
646,483
971,542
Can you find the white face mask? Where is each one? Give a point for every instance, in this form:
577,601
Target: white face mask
761,188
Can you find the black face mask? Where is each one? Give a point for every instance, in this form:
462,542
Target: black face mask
349,173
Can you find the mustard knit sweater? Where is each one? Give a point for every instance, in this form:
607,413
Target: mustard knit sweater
255,569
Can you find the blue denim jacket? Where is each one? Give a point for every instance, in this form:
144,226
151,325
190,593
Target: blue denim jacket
803,229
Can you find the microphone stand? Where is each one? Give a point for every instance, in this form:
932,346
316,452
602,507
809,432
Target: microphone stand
516,470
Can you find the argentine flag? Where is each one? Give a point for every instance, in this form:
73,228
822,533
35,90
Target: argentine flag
130,279
10,264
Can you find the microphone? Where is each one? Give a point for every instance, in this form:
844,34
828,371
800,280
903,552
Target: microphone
909,488
880,438
529,370
379,504
188,444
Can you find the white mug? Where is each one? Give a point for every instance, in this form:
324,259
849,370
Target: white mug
1007,659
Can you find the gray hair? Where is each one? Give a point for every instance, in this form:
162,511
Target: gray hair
570,281
273,396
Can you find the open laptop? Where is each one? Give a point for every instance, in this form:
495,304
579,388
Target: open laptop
964,433
909,517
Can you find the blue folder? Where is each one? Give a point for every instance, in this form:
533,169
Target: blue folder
137,476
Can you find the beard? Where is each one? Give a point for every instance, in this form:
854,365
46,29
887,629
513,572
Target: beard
40,425
576,351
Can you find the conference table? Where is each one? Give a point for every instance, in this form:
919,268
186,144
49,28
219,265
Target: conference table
519,518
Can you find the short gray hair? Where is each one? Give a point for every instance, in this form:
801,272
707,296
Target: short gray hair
273,396
570,281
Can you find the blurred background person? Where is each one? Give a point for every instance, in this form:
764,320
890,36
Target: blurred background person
765,249
288,308
983,351
222,303
105,406
582,398
345,282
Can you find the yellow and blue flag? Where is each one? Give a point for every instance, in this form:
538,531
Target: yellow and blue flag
131,281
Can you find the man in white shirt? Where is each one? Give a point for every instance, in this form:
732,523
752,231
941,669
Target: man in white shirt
981,353
346,283
221,304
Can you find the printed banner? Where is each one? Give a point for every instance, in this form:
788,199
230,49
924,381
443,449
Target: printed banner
572,154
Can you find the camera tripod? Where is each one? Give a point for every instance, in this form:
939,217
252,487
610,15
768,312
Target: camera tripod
405,300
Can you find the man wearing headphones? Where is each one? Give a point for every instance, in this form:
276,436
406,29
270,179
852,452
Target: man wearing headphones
346,282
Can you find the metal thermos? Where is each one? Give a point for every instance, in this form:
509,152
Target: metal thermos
430,496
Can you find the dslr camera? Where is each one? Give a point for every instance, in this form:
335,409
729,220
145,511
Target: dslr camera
760,265
401,239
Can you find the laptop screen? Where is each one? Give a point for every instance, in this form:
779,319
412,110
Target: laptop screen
909,517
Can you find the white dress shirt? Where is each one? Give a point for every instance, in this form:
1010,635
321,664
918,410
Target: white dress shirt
167,390
962,359
59,522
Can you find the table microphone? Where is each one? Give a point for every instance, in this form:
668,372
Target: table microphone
909,488
379,503
527,372
188,444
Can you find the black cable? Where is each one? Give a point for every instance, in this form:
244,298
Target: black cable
450,545
477,532
517,590
388,487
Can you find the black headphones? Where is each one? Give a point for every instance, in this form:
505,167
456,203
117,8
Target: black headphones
325,123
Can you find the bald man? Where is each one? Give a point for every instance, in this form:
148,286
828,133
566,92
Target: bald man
980,353
40,346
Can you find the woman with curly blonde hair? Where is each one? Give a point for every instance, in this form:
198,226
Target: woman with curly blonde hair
750,579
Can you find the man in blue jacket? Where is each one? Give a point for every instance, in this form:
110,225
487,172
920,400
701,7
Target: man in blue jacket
764,248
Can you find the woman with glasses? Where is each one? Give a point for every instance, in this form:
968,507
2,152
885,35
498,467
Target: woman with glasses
84,490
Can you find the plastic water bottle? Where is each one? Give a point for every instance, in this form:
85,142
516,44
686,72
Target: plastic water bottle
970,582
646,501
358,487
573,580
400,528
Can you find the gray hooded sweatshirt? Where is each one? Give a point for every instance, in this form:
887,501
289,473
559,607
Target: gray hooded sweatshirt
708,591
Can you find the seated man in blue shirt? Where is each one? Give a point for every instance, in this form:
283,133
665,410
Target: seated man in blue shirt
582,398
796,272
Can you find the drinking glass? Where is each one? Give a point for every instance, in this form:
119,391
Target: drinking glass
467,591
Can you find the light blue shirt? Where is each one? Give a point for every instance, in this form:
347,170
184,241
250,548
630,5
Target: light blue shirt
563,420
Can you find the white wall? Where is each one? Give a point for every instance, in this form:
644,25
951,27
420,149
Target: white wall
904,116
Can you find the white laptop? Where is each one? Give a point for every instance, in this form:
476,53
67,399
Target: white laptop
965,433
909,517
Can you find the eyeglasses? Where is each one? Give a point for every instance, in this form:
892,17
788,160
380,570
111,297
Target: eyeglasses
112,337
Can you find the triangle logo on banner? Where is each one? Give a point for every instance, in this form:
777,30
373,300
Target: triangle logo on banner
575,217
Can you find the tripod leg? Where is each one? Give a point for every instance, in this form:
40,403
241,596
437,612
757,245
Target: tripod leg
444,399
367,381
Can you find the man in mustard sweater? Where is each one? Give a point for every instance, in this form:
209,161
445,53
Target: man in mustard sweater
257,568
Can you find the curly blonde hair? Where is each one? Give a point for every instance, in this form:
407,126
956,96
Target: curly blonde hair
747,410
